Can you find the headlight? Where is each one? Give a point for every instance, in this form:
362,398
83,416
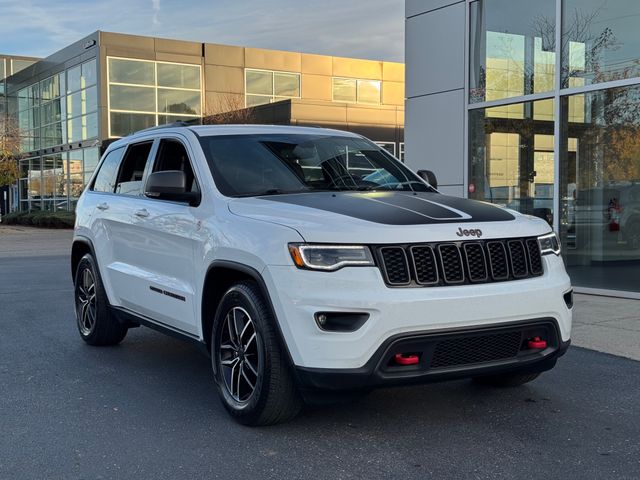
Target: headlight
549,243
329,257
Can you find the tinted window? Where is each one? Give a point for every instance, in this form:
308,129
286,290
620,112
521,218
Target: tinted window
106,178
246,165
130,177
173,156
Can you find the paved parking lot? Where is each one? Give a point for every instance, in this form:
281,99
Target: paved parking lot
148,408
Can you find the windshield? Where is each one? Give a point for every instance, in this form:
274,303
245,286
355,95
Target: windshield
271,164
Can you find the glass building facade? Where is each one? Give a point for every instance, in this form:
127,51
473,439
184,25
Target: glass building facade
52,113
144,93
71,105
553,125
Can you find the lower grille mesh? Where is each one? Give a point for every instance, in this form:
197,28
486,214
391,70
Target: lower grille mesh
477,349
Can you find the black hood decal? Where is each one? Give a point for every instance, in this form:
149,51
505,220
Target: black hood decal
398,208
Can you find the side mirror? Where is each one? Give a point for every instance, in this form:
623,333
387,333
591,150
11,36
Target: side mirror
429,176
170,185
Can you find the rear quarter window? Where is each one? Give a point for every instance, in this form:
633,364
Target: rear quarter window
106,179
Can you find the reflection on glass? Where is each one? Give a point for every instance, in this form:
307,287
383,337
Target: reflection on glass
74,79
511,160
139,99
123,124
255,100
600,188
345,89
600,41
178,76
512,48
286,85
369,91
135,72
259,83
178,101
88,73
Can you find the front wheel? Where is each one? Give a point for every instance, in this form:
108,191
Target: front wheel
251,371
96,324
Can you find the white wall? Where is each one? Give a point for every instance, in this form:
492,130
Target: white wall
435,105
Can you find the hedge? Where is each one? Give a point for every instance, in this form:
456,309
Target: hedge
59,219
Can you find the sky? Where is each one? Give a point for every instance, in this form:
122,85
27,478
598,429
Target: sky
371,29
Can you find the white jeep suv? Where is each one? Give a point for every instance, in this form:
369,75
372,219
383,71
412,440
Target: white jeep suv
311,263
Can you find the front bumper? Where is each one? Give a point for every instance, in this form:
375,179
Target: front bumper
297,295
439,361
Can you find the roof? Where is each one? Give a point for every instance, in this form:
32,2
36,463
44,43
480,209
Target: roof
209,130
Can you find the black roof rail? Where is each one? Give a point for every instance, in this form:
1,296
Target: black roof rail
181,123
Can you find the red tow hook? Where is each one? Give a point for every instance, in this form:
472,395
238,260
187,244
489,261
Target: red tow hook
406,359
537,343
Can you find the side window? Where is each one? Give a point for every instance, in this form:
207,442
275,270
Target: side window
130,177
106,179
173,156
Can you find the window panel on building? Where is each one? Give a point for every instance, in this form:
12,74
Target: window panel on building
125,97
88,74
511,160
265,86
600,41
177,95
74,79
259,82
178,76
286,85
512,48
345,89
600,188
178,101
369,91
123,124
135,72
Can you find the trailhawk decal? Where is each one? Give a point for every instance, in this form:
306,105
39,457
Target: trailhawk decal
399,208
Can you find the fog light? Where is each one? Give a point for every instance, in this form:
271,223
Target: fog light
340,321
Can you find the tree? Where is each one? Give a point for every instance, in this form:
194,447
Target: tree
9,150
229,109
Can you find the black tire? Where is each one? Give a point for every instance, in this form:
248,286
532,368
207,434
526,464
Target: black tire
507,380
96,324
253,377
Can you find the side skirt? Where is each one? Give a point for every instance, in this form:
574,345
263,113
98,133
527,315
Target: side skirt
128,317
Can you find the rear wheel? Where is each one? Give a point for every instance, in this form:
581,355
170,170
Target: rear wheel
96,324
507,380
251,372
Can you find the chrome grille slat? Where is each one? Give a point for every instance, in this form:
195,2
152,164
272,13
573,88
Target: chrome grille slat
460,263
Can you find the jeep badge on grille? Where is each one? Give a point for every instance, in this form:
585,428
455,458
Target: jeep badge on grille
474,232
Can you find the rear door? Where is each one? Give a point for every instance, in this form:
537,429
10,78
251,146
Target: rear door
114,235
161,240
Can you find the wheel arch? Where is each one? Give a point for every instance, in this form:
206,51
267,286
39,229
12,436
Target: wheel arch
212,292
80,247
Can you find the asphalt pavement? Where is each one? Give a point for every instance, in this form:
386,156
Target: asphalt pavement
148,408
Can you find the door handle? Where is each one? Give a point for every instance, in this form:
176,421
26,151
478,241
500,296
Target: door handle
142,213
102,206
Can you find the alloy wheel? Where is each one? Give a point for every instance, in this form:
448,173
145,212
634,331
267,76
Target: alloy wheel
238,354
86,302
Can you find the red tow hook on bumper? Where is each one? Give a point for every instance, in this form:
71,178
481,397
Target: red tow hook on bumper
537,343
406,359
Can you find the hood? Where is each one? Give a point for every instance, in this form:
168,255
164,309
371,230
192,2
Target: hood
387,217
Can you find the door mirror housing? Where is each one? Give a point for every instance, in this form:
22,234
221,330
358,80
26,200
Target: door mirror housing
429,176
171,185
